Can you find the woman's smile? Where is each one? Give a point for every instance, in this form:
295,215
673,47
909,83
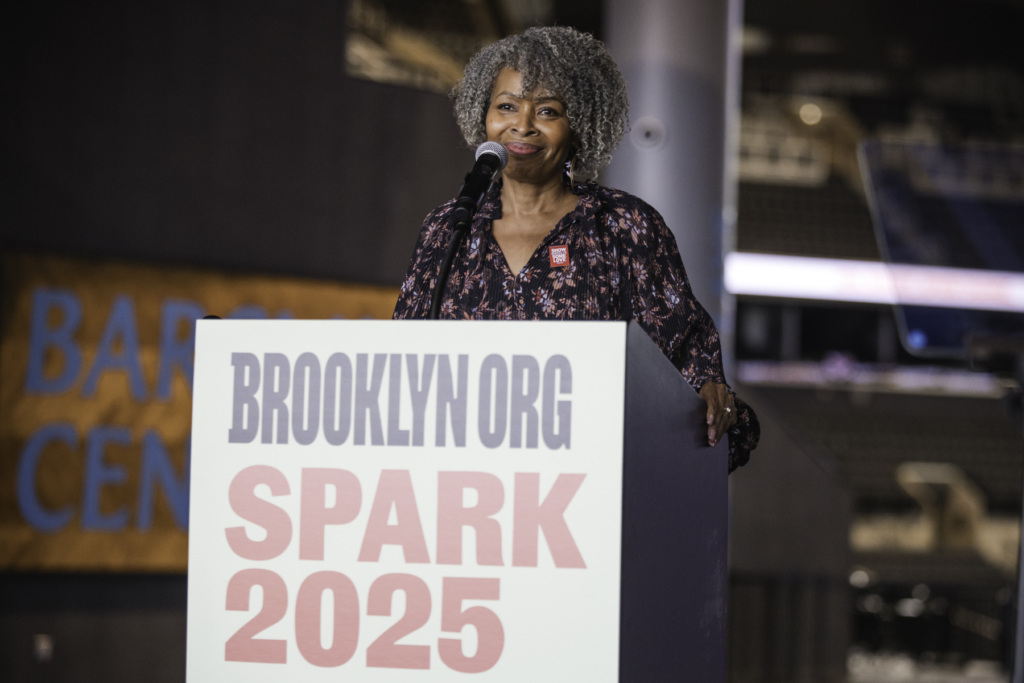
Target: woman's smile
521,148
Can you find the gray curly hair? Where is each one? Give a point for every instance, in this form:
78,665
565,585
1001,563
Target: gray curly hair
575,67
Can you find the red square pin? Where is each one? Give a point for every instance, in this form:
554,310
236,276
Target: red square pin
559,255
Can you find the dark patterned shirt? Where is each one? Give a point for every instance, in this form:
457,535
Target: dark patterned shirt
611,258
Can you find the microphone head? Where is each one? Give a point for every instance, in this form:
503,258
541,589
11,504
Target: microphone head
494,148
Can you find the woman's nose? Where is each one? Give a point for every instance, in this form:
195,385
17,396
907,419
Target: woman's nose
524,121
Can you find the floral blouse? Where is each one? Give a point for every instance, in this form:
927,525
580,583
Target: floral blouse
611,258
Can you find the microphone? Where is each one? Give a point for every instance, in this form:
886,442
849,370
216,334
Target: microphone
491,157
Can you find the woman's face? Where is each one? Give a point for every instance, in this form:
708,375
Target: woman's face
534,129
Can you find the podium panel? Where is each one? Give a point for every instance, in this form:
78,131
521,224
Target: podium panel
675,528
417,500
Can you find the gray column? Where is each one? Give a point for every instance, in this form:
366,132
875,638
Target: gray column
683,83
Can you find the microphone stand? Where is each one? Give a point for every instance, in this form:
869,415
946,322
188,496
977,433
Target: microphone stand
491,157
459,230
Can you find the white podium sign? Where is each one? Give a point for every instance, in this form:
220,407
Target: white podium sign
406,501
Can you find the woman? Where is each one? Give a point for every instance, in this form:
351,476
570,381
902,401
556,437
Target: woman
548,244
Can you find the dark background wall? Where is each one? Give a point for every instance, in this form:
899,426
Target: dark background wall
217,133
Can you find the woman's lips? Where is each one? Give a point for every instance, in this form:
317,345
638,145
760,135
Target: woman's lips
521,148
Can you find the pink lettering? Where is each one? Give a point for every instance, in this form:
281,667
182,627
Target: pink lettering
250,507
452,516
394,490
531,516
315,515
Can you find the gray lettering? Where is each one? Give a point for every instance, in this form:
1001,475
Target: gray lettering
492,420
517,399
525,389
306,403
337,399
367,398
275,390
451,403
396,435
245,409
419,387
557,432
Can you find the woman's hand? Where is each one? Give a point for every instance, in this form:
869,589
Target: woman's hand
721,414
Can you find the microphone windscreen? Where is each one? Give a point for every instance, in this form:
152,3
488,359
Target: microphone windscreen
495,148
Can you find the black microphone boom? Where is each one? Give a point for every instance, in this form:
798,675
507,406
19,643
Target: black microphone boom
491,157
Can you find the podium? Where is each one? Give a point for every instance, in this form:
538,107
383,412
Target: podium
442,500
